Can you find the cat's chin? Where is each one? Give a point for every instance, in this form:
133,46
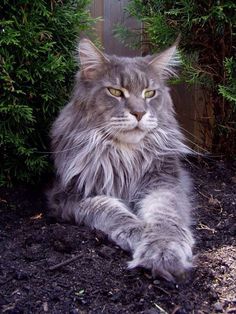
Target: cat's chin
130,137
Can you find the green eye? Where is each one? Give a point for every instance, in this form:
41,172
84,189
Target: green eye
149,93
115,92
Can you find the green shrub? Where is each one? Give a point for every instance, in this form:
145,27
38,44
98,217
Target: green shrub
208,49
37,40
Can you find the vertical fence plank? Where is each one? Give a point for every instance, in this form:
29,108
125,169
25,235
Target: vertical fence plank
195,115
113,13
97,11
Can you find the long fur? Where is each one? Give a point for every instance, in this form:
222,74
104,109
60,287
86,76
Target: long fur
121,175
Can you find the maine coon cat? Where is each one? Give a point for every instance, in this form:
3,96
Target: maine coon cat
117,149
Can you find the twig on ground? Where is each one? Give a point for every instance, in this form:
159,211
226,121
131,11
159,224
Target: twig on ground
202,226
70,260
202,193
163,290
160,309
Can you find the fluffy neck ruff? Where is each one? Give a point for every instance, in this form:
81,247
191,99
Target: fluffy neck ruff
99,165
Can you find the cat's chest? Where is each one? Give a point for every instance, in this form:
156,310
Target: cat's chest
120,173
110,171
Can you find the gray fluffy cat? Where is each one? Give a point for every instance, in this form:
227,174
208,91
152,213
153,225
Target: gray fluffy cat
116,148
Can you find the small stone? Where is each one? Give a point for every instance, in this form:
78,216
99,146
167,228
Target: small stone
45,306
116,296
82,301
106,252
62,246
218,307
232,230
233,179
156,282
21,275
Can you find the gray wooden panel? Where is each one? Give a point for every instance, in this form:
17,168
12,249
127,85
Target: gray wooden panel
97,10
112,13
194,114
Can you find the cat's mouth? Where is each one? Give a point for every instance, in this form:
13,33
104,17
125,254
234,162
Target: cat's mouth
136,129
130,136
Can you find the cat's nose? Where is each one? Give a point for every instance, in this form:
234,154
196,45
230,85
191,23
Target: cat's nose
138,114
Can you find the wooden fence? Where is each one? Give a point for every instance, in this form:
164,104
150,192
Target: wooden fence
113,13
193,106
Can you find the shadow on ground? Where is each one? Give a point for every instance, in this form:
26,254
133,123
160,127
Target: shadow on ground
96,280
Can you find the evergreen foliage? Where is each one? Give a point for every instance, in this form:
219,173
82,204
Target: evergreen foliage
208,49
37,41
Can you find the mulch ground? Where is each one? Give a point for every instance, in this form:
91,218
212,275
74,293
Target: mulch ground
94,277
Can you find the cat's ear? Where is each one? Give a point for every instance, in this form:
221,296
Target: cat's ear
91,58
166,62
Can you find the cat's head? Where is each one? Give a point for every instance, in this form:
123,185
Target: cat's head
125,97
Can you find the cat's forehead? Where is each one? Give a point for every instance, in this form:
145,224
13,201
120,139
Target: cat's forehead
130,73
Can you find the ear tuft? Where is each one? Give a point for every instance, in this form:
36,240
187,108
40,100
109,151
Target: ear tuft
91,58
166,61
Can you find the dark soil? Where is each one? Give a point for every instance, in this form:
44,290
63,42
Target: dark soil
97,281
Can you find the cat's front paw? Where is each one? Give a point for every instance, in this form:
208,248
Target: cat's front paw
169,259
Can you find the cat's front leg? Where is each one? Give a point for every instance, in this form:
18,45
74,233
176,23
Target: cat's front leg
166,243
107,214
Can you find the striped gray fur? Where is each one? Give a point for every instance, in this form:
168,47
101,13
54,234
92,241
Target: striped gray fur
117,159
